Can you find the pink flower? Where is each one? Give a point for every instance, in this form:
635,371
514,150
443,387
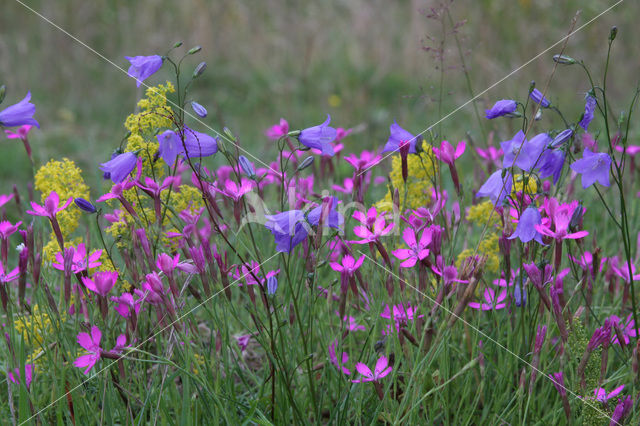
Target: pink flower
352,324
334,358
80,260
126,303
623,270
349,265
51,206
491,301
561,215
91,343
28,371
491,154
277,131
9,276
381,370
365,161
7,229
102,282
20,133
447,154
232,190
4,199
347,187
373,226
602,395
417,250
243,341
152,188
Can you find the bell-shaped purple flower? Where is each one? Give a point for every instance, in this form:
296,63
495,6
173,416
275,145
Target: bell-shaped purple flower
589,108
319,137
397,137
500,108
551,164
170,146
537,97
143,67
594,167
526,230
334,220
19,114
199,144
289,229
523,153
497,187
120,166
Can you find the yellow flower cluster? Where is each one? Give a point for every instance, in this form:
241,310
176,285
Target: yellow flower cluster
524,183
35,327
65,178
481,214
154,112
421,169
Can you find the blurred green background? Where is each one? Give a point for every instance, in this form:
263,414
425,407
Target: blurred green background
364,62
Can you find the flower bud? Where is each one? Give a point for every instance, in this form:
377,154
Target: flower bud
227,131
198,109
177,44
561,138
305,163
613,33
194,50
84,205
246,166
564,60
202,66
3,91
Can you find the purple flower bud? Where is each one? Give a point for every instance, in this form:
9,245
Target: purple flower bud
558,381
19,114
500,108
246,166
120,166
143,67
202,66
600,336
540,335
589,108
561,138
85,205
319,137
305,163
199,109
537,97
621,411
272,284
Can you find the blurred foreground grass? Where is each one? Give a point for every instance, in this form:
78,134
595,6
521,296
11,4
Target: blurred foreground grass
364,62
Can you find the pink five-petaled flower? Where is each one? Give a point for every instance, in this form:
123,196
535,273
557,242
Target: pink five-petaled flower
417,249
51,206
91,343
102,282
447,153
348,266
277,131
126,303
602,395
366,160
80,260
4,199
352,324
561,216
381,370
7,229
233,191
492,302
334,358
152,188
373,226
9,276
21,133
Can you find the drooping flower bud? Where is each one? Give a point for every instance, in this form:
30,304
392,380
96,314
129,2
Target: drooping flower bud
202,66
563,60
198,109
305,163
85,205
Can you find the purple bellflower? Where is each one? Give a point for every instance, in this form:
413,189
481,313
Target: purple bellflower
594,167
551,164
120,166
319,137
289,229
199,144
526,230
497,187
523,153
19,114
143,67
399,135
500,108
